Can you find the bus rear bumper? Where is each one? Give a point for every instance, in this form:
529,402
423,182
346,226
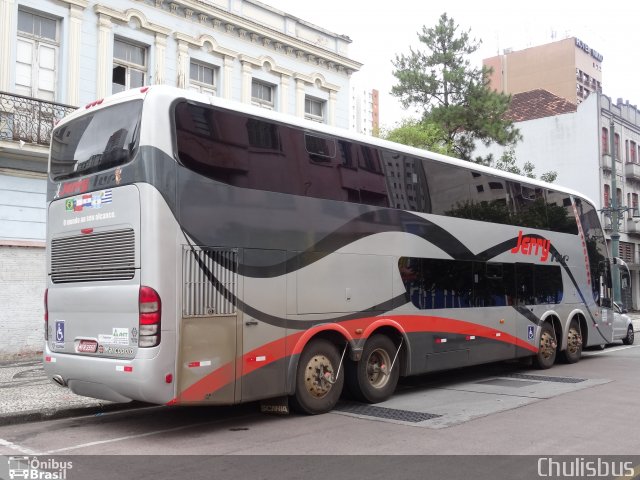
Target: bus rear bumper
114,380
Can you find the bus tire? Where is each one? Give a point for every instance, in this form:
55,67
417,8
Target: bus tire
628,340
573,351
547,348
317,388
369,380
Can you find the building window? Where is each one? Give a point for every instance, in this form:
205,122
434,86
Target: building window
262,94
605,141
626,251
616,145
202,78
129,65
314,109
633,151
634,205
607,193
36,55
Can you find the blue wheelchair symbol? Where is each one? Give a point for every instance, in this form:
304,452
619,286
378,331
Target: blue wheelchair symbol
530,331
59,331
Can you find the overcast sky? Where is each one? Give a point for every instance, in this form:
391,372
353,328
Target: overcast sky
380,30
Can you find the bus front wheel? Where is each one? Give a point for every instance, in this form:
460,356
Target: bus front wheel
318,381
372,379
547,349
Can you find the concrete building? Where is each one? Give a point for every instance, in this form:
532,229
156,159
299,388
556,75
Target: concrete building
575,142
568,68
56,55
365,111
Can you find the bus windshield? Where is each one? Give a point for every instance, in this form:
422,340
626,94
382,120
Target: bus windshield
97,141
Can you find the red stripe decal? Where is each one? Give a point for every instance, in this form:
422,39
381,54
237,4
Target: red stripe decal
293,344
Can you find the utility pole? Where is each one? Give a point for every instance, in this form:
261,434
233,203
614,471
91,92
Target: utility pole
615,215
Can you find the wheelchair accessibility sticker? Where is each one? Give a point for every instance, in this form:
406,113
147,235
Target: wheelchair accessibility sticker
59,331
530,331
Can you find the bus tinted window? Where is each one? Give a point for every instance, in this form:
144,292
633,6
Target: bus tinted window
438,283
96,141
265,155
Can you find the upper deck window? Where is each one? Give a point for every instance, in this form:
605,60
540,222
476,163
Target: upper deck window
95,141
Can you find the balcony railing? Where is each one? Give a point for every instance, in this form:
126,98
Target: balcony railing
28,119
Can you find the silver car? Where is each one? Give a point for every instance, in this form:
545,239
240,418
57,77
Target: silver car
622,326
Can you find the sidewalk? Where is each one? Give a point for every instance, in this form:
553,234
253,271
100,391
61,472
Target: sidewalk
27,395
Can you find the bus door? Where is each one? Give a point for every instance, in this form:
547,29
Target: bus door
261,357
209,325
605,299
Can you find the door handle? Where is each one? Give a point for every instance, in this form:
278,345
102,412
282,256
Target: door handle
251,323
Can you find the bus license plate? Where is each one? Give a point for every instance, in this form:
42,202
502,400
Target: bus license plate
88,346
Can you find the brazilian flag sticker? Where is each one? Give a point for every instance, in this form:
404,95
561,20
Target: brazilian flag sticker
68,204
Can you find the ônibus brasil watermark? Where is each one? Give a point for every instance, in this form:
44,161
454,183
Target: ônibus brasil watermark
33,468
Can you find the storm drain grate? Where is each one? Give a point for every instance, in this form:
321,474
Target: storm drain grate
503,382
543,378
387,413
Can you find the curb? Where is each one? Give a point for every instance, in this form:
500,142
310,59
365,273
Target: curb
27,416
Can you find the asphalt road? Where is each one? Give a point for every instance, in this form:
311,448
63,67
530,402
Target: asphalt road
480,414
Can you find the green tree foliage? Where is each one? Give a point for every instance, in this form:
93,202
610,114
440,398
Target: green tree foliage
507,162
451,94
419,134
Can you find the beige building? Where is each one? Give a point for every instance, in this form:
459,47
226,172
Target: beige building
568,68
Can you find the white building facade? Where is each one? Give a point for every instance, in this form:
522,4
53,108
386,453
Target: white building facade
56,55
578,147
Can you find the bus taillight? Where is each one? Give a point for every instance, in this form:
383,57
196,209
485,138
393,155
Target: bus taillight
150,314
46,314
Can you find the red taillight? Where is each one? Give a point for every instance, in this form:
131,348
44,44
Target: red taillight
150,308
46,314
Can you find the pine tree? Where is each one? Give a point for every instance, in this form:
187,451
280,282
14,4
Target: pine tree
451,94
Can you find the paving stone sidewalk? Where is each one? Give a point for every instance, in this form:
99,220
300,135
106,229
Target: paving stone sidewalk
26,394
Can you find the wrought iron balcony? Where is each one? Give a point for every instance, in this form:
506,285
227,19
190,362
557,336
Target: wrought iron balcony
28,119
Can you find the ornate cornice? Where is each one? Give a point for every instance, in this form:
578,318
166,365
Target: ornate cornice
215,18
270,63
203,40
126,16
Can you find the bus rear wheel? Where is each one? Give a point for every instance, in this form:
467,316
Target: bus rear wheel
372,379
574,343
547,349
318,381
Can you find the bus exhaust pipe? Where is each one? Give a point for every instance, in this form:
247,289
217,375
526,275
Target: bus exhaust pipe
59,380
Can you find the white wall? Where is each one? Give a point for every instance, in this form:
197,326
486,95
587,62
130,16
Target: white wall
22,208
22,284
567,144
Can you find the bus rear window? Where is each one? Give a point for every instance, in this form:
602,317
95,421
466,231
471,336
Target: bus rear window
95,141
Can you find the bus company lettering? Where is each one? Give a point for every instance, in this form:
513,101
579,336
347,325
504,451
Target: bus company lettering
69,188
529,245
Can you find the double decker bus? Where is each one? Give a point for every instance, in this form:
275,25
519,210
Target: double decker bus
207,252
